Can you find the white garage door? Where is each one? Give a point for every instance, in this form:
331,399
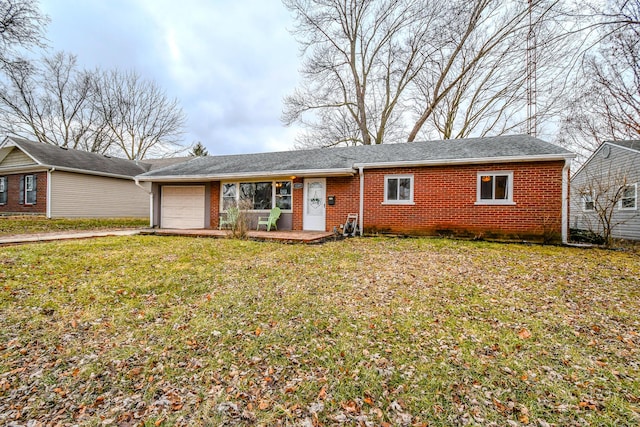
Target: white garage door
182,207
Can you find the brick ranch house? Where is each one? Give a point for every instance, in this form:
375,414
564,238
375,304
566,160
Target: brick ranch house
44,179
512,187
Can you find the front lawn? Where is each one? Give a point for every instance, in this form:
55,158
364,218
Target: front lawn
150,330
38,224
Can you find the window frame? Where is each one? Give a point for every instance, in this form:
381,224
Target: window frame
27,190
635,198
398,201
4,190
274,194
587,198
493,200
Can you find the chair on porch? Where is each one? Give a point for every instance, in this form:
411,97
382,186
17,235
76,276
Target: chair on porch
269,221
229,220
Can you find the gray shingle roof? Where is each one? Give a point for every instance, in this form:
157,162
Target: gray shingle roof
345,158
54,156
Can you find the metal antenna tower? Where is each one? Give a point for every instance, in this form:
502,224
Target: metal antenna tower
532,125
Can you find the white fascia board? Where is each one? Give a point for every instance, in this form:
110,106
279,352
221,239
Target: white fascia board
249,175
89,172
42,168
471,161
24,169
619,146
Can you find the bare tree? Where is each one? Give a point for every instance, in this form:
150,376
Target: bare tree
478,83
51,101
360,56
372,68
606,97
602,196
139,118
54,102
21,26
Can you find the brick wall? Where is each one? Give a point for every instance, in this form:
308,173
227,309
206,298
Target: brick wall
346,191
298,204
214,204
444,202
13,205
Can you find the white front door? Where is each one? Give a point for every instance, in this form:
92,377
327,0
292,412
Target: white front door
314,217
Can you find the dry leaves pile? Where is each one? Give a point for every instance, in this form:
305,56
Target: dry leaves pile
368,332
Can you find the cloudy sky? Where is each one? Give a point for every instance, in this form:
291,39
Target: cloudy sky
228,62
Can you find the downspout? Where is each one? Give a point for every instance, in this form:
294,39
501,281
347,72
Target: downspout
49,171
150,193
565,201
360,217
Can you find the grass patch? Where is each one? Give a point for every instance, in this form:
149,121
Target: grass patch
186,331
30,224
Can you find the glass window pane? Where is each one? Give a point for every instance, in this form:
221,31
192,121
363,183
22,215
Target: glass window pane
247,190
486,187
501,190
392,189
263,194
629,197
283,194
228,195
283,188
229,190
405,189
283,202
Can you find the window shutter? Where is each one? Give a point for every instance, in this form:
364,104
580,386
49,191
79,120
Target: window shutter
21,195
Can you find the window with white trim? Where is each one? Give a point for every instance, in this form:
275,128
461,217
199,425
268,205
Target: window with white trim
3,190
495,188
588,205
30,189
259,196
398,189
629,199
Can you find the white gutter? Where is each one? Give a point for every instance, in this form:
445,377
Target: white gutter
49,186
150,193
25,169
361,219
97,173
458,161
249,175
40,167
565,201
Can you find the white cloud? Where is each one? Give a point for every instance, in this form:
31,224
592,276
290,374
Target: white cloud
229,63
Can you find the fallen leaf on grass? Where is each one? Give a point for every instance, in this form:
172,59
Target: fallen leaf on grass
323,393
524,334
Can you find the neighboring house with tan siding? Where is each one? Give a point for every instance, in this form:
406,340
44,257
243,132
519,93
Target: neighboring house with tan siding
43,179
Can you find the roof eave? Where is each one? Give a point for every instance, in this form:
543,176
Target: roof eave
248,175
90,172
619,146
41,167
478,160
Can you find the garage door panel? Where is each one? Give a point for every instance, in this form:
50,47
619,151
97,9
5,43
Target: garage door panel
183,207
